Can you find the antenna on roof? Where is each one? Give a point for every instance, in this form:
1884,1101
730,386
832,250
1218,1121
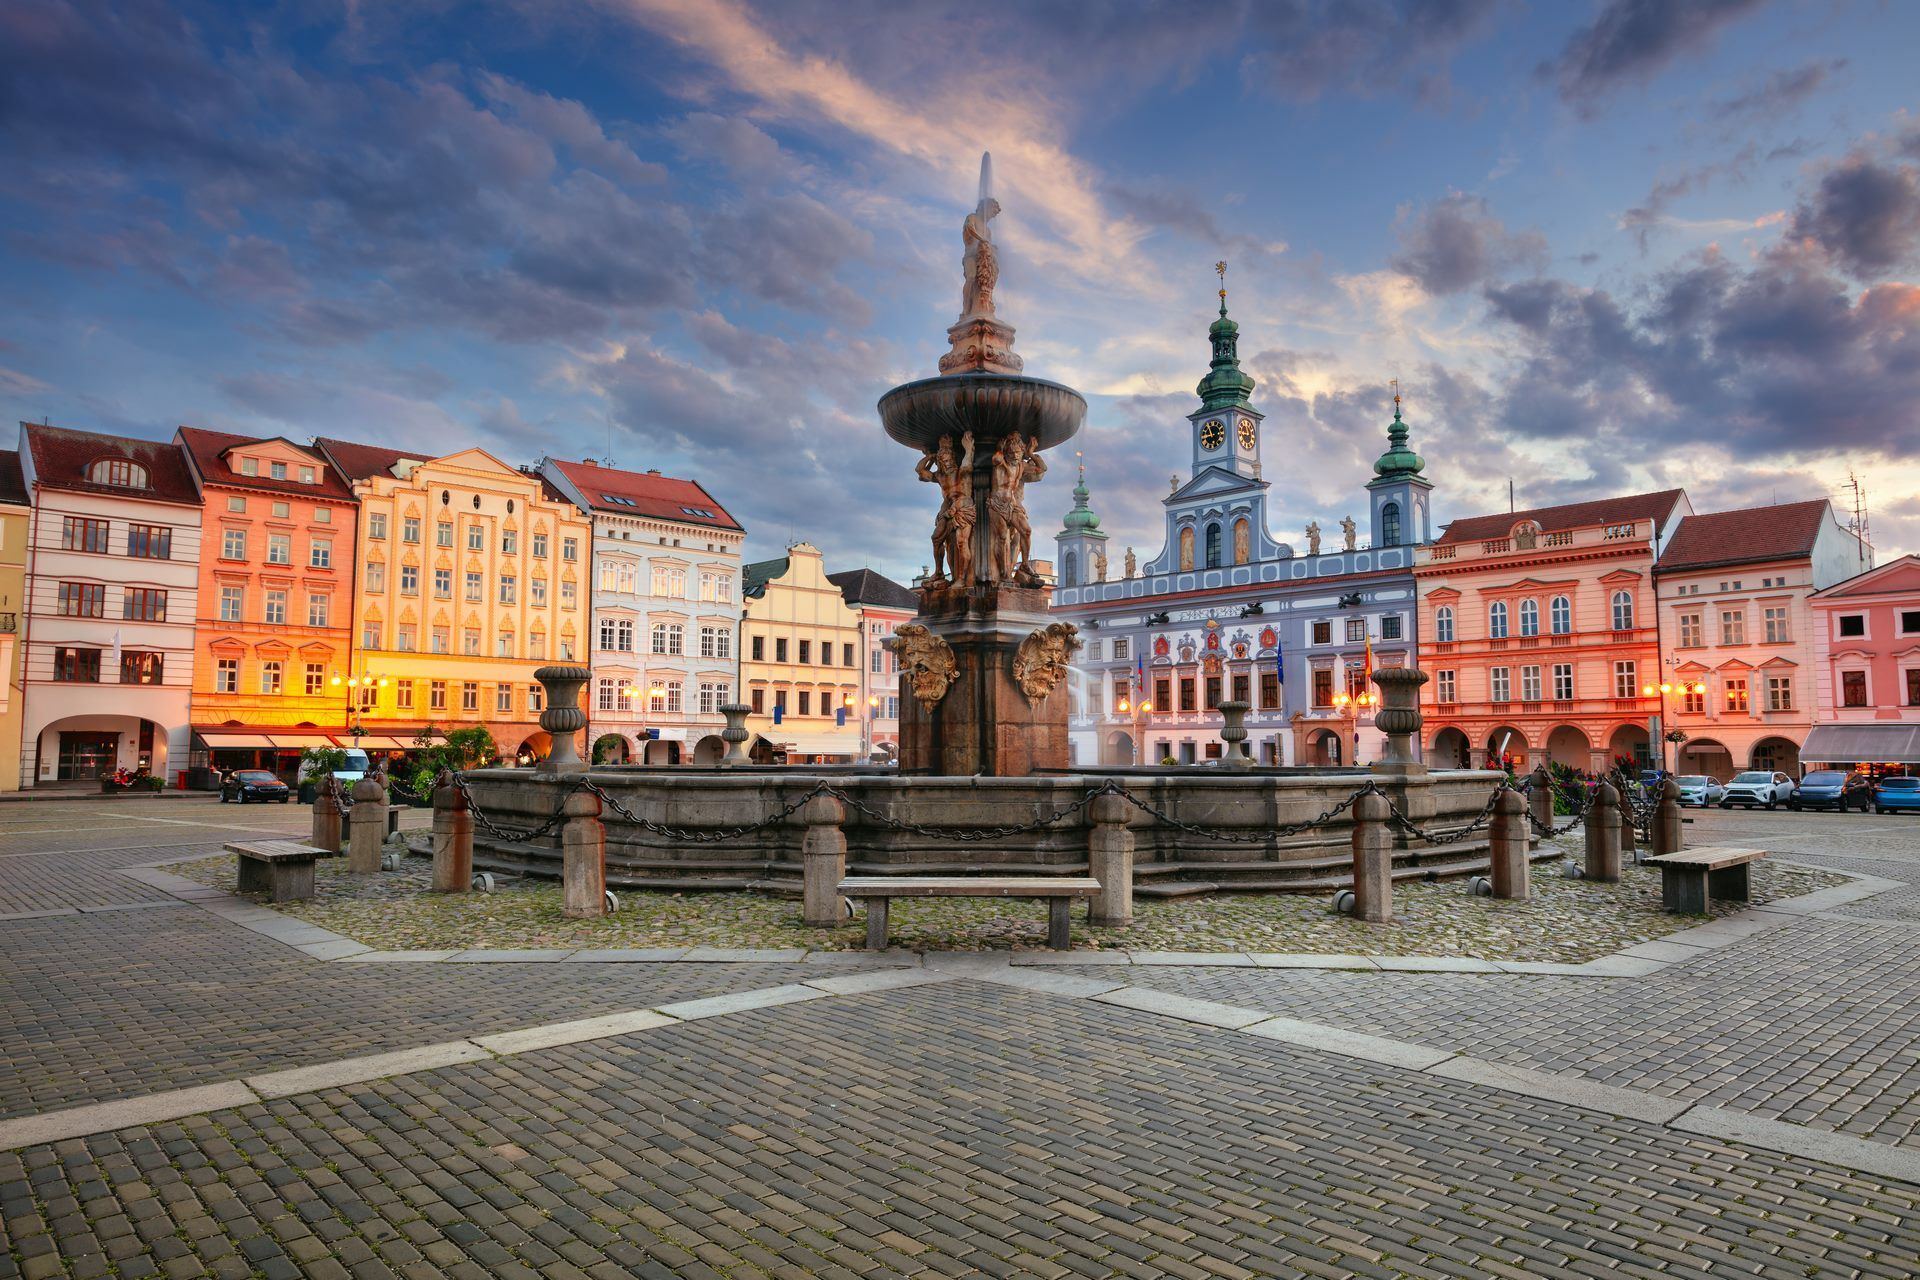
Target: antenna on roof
1509,495
607,414
1858,525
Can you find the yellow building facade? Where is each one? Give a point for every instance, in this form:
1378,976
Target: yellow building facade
471,574
15,528
801,653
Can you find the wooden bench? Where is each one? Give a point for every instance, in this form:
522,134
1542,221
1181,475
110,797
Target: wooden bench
1690,877
282,869
1059,892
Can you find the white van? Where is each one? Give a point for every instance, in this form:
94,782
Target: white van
354,770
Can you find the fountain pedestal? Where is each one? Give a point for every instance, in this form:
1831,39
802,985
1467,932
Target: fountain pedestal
986,723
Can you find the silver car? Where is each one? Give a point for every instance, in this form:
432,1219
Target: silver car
1758,789
1699,790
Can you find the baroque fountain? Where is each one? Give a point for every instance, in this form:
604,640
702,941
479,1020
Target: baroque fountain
984,783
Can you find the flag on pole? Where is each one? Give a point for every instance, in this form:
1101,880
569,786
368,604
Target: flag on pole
1139,676
1279,660
1366,672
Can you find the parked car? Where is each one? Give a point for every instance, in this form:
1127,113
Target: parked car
1895,794
1834,789
1757,789
1700,790
244,785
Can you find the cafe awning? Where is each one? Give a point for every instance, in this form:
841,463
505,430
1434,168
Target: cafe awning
381,742
1857,743
214,740
301,741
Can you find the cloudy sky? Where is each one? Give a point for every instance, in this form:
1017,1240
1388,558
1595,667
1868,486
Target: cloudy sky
1605,246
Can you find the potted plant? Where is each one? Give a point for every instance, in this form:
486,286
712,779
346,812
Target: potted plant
317,763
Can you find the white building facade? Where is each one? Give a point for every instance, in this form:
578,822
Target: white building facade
113,575
664,643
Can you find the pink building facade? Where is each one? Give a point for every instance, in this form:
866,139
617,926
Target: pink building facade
1867,669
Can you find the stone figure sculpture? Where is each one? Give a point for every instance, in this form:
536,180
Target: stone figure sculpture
1347,531
1131,564
1313,537
1186,549
1242,542
980,341
1099,566
1015,462
1043,657
953,527
927,660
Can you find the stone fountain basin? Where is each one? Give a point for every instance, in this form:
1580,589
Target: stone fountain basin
991,405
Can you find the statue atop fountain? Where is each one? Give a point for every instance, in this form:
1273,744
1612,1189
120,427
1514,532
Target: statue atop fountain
979,428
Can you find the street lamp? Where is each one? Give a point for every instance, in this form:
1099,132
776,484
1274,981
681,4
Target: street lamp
866,727
1351,706
1666,729
1141,710
353,683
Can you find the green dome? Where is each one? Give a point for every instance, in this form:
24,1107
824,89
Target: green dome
1226,386
1398,461
1082,519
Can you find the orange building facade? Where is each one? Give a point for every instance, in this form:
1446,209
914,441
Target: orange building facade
1539,631
275,602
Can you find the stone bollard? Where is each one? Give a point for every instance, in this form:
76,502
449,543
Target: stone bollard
583,857
326,814
1508,846
1540,798
823,859
1110,861
368,823
1603,834
452,837
1372,860
1667,835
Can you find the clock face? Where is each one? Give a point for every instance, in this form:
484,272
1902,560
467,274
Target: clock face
1246,433
1213,434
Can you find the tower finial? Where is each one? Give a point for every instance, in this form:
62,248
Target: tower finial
1220,269
1395,384
1082,459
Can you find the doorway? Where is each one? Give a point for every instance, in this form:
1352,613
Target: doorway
87,755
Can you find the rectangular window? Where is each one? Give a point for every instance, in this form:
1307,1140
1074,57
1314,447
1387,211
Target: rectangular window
1269,691
276,607
409,579
1913,687
1853,688
1910,622
1122,649
150,541
1733,626
1443,687
308,476
410,529
1163,695
440,640
144,604
1529,684
539,546
569,549
509,588
539,593
1692,703
1853,624
279,548
503,700
270,676
1356,630
503,645
226,675
76,666
780,650
875,661
317,606
1322,633
316,679
759,647
1390,627
1323,686
403,636
233,544
1243,688
1500,682
806,653
1690,631
509,542
476,589
278,470
670,583
437,695
142,666
281,511
83,600
443,533
669,638
376,575
1737,695
759,702
1563,682
469,696
1187,701
80,534
709,641
233,604
1626,680
846,655
476,537
1779,693
377,525
443,584
806,703
249,466
470,641
403,696
566,595
1776,624
369,635
1213,692
237,505
320,554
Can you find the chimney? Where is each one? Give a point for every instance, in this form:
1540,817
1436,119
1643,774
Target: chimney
588,462
653,471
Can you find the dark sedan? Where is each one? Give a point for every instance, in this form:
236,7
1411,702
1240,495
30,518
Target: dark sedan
1833,789
254,784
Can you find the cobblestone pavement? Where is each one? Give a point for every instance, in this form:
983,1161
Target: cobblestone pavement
957,1129
961,1130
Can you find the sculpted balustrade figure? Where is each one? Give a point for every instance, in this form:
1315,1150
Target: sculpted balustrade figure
1313,537
1010,535
953,527
1347,531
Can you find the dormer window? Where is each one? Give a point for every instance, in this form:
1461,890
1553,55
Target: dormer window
249,466
279,470
307,476
121,473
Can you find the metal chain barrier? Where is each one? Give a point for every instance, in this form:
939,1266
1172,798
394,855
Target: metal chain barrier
973,834
509,834
703,837
1401,820
1241,837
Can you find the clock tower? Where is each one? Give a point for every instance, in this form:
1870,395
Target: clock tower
1226,427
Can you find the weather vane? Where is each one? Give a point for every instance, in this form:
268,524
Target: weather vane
1082,458
1220,269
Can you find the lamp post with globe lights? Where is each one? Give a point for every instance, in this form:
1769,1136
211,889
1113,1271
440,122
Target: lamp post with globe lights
1664,689
1140,710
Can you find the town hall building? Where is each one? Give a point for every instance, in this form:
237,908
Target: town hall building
1226,611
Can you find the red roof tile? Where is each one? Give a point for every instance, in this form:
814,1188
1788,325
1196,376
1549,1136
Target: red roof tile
61,457
1759,534
645,493
206,450
359,461
1576,515
13,485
